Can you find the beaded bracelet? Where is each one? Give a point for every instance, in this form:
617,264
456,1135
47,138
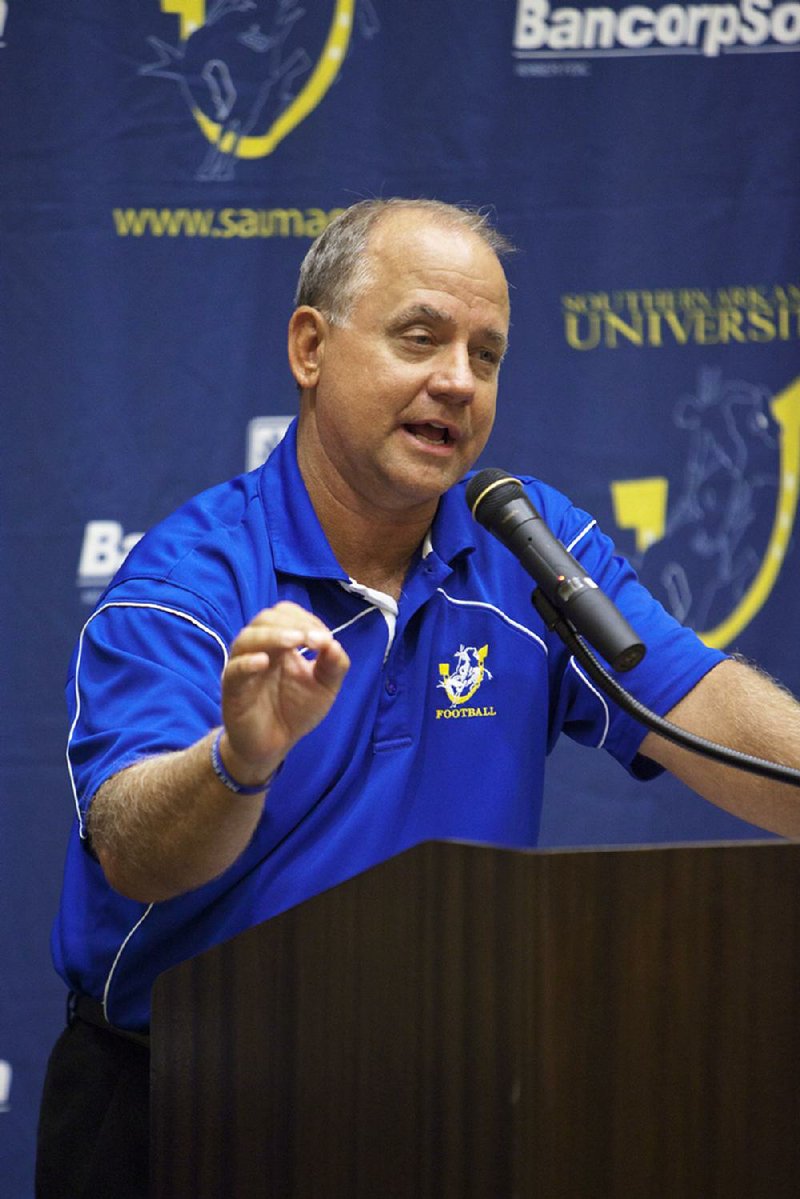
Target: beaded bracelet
228,779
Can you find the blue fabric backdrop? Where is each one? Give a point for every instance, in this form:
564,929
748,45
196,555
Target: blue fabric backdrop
163,168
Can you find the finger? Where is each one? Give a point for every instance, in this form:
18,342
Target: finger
289,615
270,639
246,666
286,626
331,664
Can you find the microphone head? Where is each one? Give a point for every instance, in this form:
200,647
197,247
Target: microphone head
489,491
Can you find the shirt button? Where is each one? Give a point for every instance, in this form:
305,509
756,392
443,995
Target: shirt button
391,687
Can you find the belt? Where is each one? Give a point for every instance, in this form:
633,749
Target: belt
90,1011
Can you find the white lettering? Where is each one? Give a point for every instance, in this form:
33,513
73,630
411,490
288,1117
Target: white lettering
786,24
104,550
531,30
566,30
638,28
263,434
698,14
721,30
599,28
671,25
629,35
755,28
5,1086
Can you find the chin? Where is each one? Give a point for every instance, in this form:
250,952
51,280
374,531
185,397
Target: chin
424,486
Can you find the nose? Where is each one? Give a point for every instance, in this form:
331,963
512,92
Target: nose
452,378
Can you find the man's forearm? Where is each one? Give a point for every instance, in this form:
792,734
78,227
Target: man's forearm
737,706
167,824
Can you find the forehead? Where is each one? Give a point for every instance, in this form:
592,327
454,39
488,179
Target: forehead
414,257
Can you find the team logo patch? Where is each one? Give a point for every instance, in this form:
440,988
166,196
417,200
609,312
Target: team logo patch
461,681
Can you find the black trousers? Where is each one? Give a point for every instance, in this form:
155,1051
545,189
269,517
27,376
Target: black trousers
94,1117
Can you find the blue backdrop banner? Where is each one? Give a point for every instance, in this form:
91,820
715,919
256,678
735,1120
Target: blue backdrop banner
163,168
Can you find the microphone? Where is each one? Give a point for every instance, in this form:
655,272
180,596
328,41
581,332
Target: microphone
498,502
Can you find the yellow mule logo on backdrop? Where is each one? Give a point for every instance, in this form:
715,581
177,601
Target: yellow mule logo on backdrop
641,505
240,66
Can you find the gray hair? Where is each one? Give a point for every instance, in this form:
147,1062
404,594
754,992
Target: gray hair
336,269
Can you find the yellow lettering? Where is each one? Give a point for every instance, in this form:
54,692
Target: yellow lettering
706,329
592,339
785,323
464,713
248,224
287,218
730,326
631,332
762,324
663,300
654,329
735,315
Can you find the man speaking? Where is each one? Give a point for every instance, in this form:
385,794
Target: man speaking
310,668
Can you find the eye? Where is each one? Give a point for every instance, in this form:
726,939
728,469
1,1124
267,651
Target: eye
416,341
487,357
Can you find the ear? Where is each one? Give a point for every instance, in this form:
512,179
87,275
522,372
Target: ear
307,332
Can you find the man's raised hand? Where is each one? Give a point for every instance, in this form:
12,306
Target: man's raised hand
284,672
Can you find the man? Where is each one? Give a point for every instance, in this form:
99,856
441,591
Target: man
262,703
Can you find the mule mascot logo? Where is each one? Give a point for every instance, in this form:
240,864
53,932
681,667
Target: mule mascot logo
470,670
713,553
252,70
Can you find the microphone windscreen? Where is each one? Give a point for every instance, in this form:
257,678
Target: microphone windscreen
490,490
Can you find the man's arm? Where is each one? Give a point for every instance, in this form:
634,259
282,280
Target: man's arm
168,824
737,706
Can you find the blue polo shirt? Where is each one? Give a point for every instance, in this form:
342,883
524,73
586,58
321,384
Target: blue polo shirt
454,697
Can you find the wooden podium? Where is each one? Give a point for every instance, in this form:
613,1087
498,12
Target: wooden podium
465,1021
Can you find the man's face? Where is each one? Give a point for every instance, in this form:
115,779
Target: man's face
405,394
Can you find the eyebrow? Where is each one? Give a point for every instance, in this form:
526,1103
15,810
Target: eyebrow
439,317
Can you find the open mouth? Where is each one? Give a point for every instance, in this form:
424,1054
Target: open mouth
431,432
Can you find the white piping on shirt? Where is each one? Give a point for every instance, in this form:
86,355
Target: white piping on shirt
580,536
599,696
498,612
120,952
123,604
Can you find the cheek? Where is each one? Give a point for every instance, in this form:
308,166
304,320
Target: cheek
351,419
485,410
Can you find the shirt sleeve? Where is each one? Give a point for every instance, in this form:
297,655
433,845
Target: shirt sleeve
145,679
674,662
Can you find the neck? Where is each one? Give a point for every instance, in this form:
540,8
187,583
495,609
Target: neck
375,549
374,546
